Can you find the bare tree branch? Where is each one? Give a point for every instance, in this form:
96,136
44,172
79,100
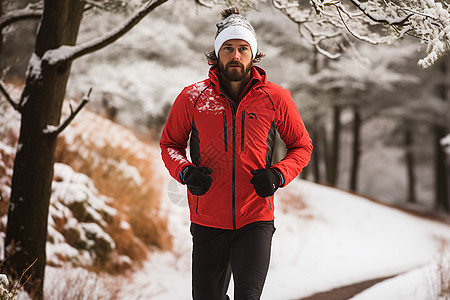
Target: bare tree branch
94,4
379,18
8,97
279,6
66,53
27,13
57,130
206,3
359,37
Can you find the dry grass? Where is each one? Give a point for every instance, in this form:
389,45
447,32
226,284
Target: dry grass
9,135
120,165
294,203
438,281
443,273
127,243
7,155
79,284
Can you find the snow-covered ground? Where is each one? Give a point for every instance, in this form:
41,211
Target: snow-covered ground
325,239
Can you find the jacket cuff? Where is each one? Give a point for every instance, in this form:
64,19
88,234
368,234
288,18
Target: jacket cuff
280,177
183,173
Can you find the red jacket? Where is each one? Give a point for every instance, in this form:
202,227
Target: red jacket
232,141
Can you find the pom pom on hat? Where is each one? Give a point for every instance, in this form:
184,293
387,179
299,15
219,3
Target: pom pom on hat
234,26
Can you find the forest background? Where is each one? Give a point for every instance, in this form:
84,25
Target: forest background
377,119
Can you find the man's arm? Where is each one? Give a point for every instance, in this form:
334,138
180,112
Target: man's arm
293,132
175,135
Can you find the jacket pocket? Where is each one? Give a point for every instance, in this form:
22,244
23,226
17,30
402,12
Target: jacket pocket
225,130
243,130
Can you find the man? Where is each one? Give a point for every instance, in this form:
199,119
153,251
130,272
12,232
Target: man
231,119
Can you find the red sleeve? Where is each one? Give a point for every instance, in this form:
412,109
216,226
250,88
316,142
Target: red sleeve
293,132
175,135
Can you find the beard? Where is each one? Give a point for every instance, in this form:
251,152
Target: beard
234,74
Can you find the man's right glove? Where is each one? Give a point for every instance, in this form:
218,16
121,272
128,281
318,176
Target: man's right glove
197,179
265,181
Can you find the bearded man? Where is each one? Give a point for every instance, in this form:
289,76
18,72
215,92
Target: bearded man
231,119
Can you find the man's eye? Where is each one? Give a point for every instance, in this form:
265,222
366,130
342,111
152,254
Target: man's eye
228,48
244,48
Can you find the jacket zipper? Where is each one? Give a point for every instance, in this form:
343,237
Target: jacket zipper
243,130
234,168
270,203
233,178
196,208
225,135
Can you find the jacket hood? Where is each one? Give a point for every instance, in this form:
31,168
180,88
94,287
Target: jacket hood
257,74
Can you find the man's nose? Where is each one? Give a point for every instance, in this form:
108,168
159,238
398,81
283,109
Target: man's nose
236,55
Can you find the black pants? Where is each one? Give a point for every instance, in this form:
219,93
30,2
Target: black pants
218,252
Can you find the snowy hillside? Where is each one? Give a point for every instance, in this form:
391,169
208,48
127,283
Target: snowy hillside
325,239
115,205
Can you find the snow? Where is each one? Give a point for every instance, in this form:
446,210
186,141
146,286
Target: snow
445,142
325,238
76,203
34,67
411,285
64,52
49,129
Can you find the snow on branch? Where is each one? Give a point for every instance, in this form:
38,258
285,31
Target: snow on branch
66,53
445,142
50,129
374,21
8,97
356,35
315,40
377,17
243,5
207,3
32,11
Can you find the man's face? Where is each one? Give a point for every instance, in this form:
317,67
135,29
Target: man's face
235,60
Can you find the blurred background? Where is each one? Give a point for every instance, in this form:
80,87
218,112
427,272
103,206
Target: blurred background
378,121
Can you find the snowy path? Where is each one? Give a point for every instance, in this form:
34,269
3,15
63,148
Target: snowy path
346,292
325,239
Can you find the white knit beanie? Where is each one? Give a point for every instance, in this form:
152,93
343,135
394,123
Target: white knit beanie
235,26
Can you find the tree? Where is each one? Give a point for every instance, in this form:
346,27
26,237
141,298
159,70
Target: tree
440,130
16,23
330,25
40,107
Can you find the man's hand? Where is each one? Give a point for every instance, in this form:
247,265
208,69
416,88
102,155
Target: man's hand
198,180
265,182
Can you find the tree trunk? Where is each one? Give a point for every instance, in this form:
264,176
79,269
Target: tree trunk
315,157
440,168
1,43
41,104
356,149
316,128
333,155
325,152
410,165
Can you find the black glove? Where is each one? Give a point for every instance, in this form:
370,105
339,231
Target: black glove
198,180
265,182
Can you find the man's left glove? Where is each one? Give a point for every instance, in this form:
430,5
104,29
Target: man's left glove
265,181
198,179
